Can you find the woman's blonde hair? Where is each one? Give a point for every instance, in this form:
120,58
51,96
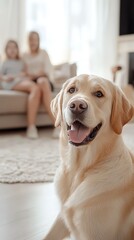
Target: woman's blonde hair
16,45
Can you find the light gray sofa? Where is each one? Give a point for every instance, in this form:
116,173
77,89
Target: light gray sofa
13,104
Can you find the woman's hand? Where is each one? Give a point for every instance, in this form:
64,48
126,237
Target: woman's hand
41,73
8,78
22,74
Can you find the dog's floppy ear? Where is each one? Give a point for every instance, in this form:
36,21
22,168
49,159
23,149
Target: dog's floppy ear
56,108
56,105
122,110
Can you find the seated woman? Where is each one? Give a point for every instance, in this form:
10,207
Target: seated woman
39,69
13,77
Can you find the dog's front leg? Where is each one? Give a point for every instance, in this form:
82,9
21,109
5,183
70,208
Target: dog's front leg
73,211
58,230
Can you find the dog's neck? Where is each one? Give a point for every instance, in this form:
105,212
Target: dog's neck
108,149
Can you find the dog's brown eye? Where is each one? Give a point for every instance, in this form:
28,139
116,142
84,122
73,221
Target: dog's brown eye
72,90
99,94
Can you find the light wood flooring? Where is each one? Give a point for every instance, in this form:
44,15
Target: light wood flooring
26,210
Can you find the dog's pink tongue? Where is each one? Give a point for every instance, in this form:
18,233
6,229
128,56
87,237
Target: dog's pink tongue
78,134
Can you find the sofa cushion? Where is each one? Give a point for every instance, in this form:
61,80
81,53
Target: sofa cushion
15,102
62,71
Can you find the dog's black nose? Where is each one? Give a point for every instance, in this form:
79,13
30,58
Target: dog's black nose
78,106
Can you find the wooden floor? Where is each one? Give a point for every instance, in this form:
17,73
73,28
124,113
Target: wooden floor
26,210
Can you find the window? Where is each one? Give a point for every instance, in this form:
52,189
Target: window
48,17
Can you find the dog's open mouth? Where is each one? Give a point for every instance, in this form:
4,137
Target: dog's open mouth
79,134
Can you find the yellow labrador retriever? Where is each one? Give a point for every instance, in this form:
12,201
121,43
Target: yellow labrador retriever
95,180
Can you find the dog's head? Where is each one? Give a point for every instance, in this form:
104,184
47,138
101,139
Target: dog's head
88,105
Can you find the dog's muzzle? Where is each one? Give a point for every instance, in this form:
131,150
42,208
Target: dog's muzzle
78,133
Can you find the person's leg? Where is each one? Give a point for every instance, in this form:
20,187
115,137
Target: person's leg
45,89
33,101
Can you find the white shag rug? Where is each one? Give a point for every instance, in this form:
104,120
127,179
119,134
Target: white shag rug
24,160
29,161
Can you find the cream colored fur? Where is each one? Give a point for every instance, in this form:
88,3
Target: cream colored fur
95,182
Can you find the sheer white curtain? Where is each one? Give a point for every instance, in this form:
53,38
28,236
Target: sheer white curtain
103,54
48,17
93,32
12,21
79,14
